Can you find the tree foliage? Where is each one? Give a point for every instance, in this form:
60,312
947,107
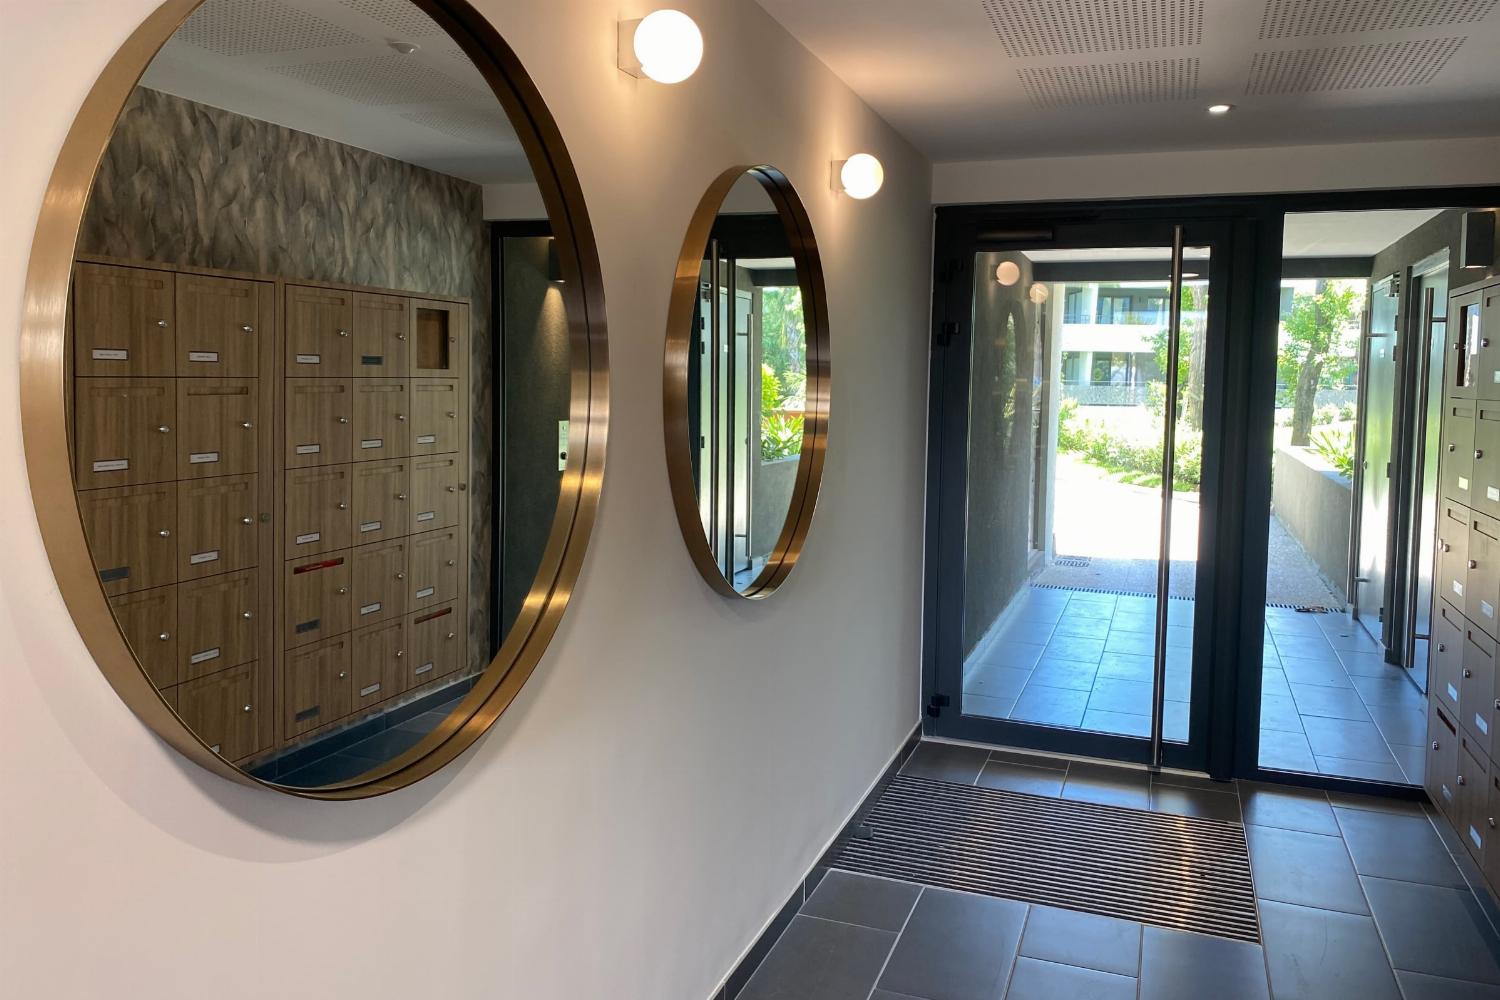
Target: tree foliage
1316,349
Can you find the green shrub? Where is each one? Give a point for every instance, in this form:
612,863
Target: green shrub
1135,456
780,436
1336,447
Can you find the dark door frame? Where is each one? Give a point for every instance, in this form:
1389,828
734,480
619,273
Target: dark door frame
1237,535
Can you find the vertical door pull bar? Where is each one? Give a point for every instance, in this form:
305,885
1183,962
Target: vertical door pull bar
1168,456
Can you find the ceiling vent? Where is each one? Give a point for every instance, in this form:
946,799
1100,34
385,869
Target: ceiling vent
255,27
1030,28
1351,67
1097,84
379,80
401,16
478,125
1308,18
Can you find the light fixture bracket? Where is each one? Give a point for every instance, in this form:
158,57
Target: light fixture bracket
625,38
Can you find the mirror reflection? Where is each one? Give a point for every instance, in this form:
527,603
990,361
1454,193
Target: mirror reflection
747,372
313,498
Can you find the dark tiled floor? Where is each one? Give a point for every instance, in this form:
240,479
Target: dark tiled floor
1359,898
1083,660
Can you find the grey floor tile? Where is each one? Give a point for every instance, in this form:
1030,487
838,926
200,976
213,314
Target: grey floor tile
1273,682
1288,808
386,745
1029,632
1364,770
1375,803
1304,647
1281,713
1050,706
1415,986
1093,628
1179,966
1030,759
1304,868
424,723
1135,643
1086,940
994,681
1016,655
1126,666
1389,689
1401,724
990,708
945,762
1195,802
1143,622
1283,751
1329,702
1405,847
1327,671
1091,605
820,960
1365,663
1119,723
1343,738
1352,638
1072,674
1037,980
1022,778
1435,930
888,995
1112,694
1074,647
1116,786
862,899
1281,622
1413,761
1174,722
1318,954
956,946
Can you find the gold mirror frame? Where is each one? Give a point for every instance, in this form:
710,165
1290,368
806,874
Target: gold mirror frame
44,414
809,479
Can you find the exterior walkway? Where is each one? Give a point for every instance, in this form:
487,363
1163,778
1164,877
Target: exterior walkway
1084,660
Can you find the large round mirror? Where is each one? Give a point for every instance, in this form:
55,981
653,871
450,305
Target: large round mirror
747,380
315,441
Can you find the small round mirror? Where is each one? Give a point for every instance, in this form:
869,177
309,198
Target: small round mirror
747,382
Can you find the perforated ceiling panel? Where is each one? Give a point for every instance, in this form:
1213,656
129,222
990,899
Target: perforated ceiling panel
1075,27
1111,83
478,125
402,15
1351,67
249,27
1306,18
379,80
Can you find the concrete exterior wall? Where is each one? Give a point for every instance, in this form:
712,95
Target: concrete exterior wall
1314,503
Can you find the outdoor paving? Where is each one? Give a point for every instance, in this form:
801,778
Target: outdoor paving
1080,659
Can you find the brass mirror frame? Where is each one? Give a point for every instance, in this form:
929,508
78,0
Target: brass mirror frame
675,402
44,414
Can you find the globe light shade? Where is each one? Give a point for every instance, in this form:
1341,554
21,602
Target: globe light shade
860,176
1008,273
1037,292
667,46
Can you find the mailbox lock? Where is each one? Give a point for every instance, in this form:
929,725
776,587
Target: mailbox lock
163,429
247,615
450,635
1473,564
165,636
248,708
343,333
452,562
161,323
1478,452
1452,447
401,576
247,520
247,328
165,533
400,653
343,506
1442,647
400,416
343,420
248,425
1436,745
1468,673
343,590
400,496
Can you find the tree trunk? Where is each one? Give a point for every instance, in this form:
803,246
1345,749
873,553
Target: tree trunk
1306,398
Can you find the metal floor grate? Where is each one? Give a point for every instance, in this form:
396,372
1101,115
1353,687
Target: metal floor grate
1172,871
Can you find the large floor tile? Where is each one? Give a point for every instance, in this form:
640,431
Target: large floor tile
1072,674
1318,954
1351,637
1435,930
1086,940
1327,671
862,899
1074,647
1404,847
1403,724
1029,632
994,681
1017,655
988,707
1365,663
1329,702
1050,706
1304,868
1179,966
1093,628
1413,761
1288,808
1113,694
1273,683
1116,786
1393,688
1304,647
1281,713
956,946
946,762
1415,986
1022,778
820,960
1343,738
1037,980
1135,643
1031,758
1282,751
1365,770
1118,723
1127,666
1195,802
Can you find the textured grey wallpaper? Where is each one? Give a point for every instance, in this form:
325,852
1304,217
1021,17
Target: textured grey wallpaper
184,183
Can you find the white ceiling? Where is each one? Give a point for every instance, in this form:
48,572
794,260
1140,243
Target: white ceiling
1348,234
1001,79
328,67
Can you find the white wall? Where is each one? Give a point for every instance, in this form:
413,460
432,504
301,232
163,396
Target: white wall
676,762
1259,170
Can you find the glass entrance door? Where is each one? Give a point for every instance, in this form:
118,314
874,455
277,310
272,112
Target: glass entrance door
1079,379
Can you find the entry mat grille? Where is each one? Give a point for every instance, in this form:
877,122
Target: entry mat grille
1172,871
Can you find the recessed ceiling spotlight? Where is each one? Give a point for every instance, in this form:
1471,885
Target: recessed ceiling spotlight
1220,109
405,48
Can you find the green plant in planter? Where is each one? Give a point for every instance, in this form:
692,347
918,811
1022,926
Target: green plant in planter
780,436
1336,447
